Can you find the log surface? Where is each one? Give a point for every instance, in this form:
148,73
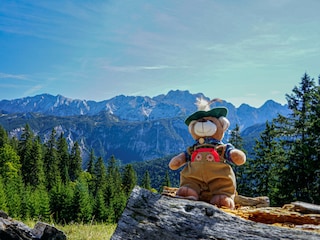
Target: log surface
153,216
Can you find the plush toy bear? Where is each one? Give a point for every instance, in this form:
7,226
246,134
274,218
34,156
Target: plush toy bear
207,176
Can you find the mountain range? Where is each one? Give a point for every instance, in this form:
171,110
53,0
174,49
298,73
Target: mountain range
133,128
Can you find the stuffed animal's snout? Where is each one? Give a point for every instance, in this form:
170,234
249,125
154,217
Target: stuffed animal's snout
205,128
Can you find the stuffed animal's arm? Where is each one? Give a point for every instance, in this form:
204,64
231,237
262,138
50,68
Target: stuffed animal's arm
237,156
177,161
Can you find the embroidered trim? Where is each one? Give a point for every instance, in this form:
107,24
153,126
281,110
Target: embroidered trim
208,150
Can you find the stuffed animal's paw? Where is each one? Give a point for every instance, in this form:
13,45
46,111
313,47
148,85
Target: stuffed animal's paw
237,156
177,161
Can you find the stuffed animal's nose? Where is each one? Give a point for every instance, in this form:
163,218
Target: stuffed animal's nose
205,129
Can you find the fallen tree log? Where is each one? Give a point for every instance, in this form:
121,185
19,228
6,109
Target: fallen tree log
153,216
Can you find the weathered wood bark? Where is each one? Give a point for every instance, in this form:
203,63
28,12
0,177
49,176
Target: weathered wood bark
153,216
274,215
252,201
305,207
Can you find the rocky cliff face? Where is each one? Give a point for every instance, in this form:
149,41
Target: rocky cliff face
152,216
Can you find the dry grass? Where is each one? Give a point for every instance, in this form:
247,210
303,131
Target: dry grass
80,231
98,231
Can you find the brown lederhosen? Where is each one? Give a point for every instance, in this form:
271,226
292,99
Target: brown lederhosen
209,178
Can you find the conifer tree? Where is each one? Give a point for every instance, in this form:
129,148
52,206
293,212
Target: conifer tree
82,201
129,179
115,196
146,182
92,159
90,170
267,166
26,133
299,140
61,202
25,153
113,168
75,162
64,158
100,176
117,205
36,176
166,181
43,201
4,139
235,138
100,210
51,162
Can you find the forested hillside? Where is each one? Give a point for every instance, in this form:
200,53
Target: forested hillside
44,179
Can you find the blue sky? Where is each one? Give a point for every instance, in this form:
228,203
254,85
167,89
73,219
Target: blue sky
243,51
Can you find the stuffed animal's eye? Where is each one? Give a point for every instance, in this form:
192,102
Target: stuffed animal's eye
198,157
210,157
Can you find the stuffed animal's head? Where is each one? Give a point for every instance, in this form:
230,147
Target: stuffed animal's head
208,122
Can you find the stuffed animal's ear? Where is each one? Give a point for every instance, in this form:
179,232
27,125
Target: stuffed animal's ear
225,123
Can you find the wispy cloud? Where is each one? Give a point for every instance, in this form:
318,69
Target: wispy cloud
33,90
140,68
12,76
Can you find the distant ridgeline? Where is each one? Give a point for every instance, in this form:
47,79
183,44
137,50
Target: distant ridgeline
130,128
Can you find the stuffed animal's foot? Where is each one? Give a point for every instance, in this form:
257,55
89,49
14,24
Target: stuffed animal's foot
188,193
222,201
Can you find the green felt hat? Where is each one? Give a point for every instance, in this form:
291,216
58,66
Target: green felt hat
215,112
